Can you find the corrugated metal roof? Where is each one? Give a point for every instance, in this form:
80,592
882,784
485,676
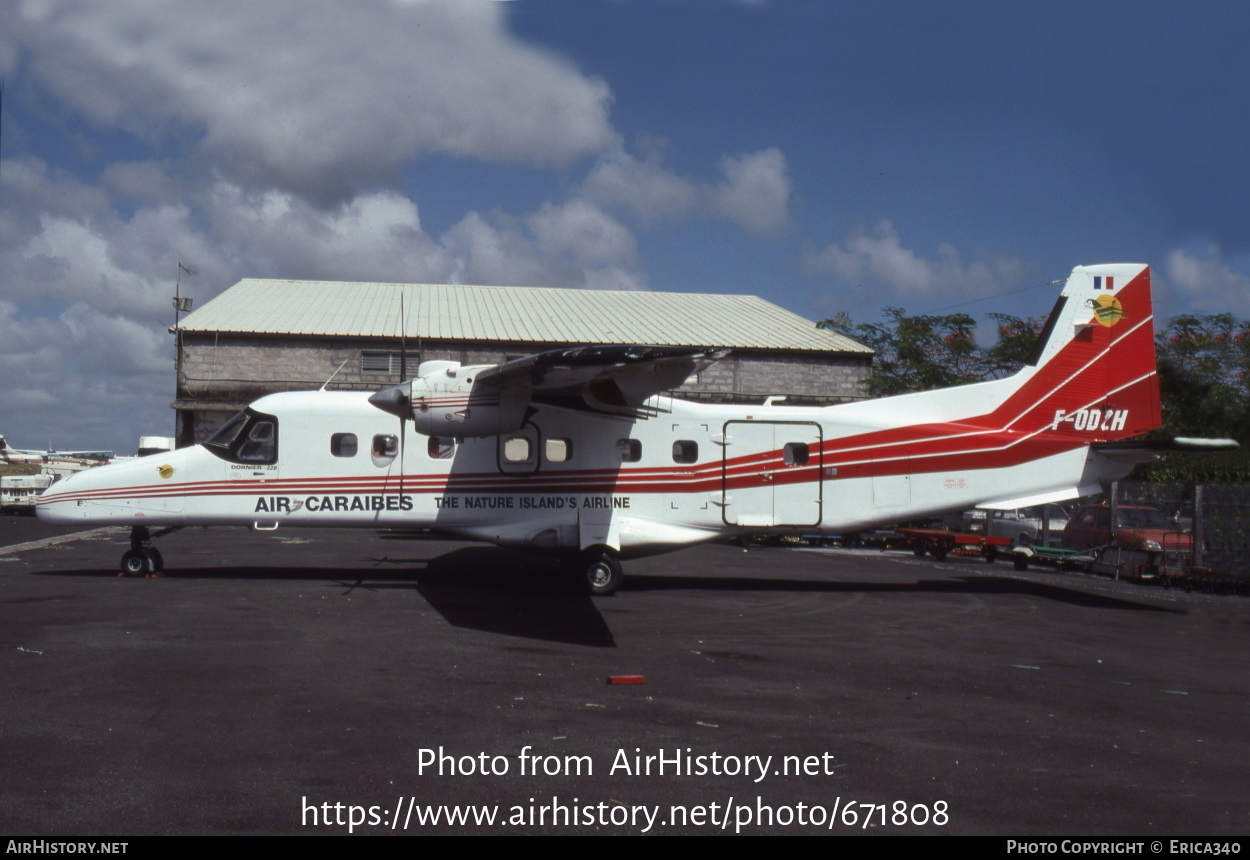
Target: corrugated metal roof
536,314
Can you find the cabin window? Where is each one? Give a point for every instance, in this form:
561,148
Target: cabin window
685,451
441,447
343,445
629,449
518,449
248,437
795,454
383,449
559,450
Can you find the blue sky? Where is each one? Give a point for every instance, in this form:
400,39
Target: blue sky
827,156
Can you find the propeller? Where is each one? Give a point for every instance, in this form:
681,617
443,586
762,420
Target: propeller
406,399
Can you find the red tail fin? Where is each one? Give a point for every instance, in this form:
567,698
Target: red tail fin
1096,378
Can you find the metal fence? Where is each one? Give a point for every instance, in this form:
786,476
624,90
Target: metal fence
1218,516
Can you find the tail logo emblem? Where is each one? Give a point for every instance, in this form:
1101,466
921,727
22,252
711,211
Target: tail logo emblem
1107,310
165,471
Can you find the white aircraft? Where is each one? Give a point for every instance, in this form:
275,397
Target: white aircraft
578,452
14,456
18,456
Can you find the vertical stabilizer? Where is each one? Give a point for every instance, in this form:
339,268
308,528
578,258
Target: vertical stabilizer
1093,375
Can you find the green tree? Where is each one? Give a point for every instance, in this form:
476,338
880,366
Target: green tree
1204,384
918,353
1204,371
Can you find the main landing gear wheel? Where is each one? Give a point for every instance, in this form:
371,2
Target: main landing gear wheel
601,571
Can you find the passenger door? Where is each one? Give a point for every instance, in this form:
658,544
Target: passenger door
771,473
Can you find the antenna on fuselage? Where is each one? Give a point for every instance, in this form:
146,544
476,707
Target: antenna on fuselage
336,373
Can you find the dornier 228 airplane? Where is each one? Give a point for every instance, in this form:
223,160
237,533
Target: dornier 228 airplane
579,453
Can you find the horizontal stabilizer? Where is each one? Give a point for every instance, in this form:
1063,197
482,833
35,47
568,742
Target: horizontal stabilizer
1129,448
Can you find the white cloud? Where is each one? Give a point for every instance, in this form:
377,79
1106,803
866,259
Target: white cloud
82,379
63,241
649,191
574,245
755,194
319,103
582,231
878,257
1209,284
373,237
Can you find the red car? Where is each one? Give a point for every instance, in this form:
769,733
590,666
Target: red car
1139,527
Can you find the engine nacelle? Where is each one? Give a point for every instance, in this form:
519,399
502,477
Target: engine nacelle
444,400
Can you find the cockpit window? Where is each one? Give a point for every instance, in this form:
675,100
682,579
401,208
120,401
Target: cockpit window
224,436
249,437
260,444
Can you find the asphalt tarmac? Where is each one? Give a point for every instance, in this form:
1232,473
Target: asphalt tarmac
303,682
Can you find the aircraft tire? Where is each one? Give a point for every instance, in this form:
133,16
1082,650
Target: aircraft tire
602,571
134,563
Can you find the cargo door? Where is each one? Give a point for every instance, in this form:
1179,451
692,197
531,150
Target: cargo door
771,474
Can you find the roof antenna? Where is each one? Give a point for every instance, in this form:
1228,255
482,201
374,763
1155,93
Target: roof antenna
336,373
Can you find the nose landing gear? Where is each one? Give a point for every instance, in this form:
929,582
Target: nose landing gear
143,559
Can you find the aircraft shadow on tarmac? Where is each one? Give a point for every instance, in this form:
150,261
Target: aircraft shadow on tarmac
481,587
980,585
497,590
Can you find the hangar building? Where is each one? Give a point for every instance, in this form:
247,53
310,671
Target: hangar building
264,336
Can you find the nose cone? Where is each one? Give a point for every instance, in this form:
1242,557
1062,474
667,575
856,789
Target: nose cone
395,400
58,503
151,489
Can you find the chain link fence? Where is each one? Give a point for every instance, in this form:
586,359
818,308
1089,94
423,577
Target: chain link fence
1218,516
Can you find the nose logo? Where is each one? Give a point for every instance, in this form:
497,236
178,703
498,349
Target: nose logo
165,471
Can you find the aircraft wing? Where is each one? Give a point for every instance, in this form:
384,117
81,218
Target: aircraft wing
609,376
486,401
